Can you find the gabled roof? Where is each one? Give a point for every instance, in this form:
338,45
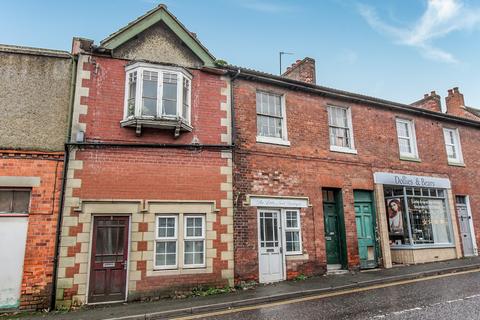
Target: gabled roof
255,75
160,13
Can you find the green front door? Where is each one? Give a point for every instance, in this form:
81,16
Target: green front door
365,220
334,234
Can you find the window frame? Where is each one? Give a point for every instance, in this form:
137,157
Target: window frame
412,139
181,74
13,213
336,148
457,145
194,238
166,239
273,140
295,229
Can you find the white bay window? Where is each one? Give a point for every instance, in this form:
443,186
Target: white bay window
157,96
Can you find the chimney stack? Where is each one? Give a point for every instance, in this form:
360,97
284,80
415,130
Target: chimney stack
455,102
430,102
302,70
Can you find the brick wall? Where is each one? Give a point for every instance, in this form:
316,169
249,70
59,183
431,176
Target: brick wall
308,165
42,221
143,175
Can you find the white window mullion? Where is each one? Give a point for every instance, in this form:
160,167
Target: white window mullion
159,95
179,94
139,93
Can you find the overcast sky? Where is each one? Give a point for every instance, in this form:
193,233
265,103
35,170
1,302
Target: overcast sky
397,50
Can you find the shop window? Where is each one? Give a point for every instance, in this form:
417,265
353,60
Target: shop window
340,129
407,142
417,216
292,232
271,122
14,201
452,146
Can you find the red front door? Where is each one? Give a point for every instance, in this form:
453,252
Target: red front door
108,271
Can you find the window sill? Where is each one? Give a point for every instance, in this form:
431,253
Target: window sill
270,140
343,150
296,256
159,123
407,158
456,164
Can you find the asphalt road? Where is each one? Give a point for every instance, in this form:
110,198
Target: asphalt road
452,297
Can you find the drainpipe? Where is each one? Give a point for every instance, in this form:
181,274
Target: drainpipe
232,106
64,181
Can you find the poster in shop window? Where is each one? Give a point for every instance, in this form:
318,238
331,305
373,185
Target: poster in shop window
395,216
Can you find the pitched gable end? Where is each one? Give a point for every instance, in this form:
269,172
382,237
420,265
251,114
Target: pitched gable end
160,28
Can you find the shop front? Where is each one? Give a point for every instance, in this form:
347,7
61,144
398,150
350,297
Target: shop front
419,224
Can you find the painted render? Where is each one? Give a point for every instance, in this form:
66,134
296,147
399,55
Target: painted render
158,44
35,98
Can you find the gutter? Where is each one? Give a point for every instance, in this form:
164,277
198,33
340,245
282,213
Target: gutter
66,157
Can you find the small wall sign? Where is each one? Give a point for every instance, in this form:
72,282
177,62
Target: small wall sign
272,202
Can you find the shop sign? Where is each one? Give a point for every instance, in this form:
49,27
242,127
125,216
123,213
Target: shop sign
278,202
410,180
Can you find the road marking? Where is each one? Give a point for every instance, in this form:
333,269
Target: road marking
322,296
425,307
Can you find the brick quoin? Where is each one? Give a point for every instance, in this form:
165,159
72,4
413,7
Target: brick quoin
42,221
308,165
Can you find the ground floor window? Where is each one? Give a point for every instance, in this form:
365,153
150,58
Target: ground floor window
417,216
171,240
292,232
14,201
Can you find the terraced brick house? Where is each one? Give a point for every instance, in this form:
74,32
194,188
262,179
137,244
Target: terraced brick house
327,180
148,198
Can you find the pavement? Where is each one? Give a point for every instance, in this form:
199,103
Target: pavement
167,308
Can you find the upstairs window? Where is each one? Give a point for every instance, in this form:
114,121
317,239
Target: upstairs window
340,129
407,142
271,122
158,95
14,201
452,146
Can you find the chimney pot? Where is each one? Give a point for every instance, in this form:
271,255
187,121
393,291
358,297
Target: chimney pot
425,95
433,93
301,70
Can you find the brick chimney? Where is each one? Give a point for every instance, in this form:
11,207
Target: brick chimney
81,45
455,102
302,70
430,102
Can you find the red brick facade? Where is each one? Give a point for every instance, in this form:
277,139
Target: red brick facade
181,175
42,221
307,165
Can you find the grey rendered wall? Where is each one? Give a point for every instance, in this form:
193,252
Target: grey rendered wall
34,99
158,44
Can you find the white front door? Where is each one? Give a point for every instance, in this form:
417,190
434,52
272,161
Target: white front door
271,262
13,237
466,226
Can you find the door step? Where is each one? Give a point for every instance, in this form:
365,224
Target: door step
335,269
